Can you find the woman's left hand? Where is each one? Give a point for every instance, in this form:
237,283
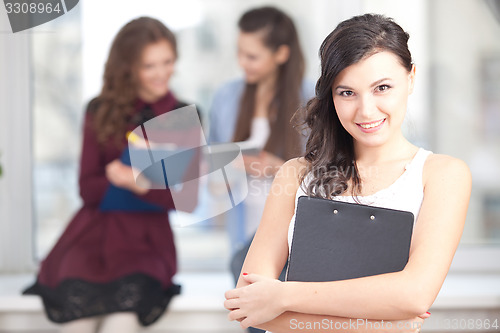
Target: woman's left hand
257,303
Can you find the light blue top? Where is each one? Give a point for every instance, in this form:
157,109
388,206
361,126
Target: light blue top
226,104
223,116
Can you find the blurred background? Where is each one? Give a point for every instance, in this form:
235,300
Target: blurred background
50,72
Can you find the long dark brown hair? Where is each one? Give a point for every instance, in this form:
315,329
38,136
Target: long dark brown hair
330,148
119,91
278,29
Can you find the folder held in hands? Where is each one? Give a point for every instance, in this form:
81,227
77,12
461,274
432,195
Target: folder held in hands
336,240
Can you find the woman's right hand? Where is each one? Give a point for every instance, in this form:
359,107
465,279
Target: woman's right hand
122,175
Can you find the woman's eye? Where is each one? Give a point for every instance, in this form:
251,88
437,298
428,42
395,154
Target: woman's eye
383,87
346,93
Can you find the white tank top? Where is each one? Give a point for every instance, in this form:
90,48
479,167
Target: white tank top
258,187
406,193
260,131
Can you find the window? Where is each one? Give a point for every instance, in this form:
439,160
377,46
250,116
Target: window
466,113
455,108
207,58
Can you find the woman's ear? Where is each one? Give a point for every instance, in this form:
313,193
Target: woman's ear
411,79
282,54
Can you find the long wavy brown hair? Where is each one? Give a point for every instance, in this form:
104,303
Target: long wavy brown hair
278,29
330,148
119,90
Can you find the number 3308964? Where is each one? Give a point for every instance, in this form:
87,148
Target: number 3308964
32,8
474,324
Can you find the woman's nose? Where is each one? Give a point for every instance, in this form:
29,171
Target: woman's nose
367,107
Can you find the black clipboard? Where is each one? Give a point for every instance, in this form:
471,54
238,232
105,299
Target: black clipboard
335,240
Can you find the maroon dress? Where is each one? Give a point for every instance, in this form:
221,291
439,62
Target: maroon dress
111,261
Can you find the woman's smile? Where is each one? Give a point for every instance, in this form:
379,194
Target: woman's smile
371,127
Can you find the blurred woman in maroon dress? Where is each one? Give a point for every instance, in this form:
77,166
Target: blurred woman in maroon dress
112,270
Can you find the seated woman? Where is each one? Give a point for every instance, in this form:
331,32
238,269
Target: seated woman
112,269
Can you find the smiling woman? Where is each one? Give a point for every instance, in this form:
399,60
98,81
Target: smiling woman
155,69
258,110
371,97
355,120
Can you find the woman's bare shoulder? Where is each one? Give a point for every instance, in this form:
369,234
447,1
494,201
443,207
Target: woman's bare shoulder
298,163
289,177
293,169
440,167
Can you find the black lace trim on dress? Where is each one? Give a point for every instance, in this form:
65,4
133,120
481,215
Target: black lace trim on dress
75,298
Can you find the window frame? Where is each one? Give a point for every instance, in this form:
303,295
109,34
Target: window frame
16,201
